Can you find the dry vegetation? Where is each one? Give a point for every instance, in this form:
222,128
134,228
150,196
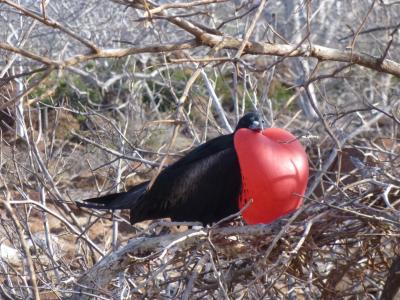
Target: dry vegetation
96,96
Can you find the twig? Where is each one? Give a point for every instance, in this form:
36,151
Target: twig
28,257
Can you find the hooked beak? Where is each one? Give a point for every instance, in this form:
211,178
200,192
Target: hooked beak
256,126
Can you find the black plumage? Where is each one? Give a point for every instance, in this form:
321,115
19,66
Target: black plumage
203,186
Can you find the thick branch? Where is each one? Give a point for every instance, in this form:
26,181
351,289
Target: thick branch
315,51
255,48
117,53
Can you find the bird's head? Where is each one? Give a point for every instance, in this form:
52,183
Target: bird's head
251,120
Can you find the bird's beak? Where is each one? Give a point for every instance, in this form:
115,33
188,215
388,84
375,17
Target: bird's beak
256,126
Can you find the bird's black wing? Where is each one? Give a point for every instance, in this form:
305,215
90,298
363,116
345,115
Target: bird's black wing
203,151
202,186
123,200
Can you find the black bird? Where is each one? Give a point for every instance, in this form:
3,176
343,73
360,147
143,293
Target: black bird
203,186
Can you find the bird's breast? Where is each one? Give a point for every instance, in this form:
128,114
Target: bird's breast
274,169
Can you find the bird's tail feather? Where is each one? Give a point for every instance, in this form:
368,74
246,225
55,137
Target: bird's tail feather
124,200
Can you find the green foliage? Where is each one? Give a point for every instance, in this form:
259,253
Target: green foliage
163,98
80,118
90,66
39,92
77,92
280,94
62,89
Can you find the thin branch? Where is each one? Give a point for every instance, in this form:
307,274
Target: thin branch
260,9
389,44
183,5
361,25
51,23
28,54
28,257
115,152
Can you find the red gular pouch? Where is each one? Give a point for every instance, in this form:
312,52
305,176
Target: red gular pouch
274,168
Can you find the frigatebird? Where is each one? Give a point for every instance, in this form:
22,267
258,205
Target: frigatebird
203,186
